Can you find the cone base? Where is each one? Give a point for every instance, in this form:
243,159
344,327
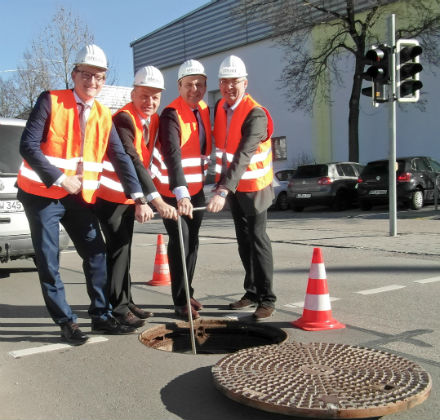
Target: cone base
156,282
330,324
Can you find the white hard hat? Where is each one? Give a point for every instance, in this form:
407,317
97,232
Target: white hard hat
149,76
91,55
190,68
232,67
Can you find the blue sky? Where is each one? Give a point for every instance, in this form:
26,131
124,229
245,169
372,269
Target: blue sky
114,24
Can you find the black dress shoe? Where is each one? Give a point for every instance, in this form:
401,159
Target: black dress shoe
111,326
140,313
72,334
130,319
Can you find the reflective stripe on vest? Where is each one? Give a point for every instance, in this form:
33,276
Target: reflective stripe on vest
111,188
259,173
63,147
192,161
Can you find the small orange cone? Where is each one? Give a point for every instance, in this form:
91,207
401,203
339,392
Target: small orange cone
317,314
161,274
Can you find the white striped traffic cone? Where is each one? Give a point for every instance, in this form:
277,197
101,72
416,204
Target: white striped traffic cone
161,274
317,313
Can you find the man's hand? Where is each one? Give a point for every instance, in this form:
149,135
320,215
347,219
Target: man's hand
165,210
185,208
216,204
72,184
143,213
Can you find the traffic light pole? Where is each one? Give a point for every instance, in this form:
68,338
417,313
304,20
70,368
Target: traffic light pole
392,130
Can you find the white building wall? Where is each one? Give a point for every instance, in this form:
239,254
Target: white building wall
263,63
417,131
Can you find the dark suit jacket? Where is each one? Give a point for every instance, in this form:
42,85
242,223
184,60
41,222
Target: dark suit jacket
253,131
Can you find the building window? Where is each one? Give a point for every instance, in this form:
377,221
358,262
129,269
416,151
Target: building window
279,148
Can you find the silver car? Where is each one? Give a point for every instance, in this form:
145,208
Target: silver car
331,184
15,236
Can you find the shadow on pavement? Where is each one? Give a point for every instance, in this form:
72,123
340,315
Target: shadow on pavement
193,396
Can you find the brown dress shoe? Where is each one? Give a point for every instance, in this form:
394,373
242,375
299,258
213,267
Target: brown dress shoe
140,313
130,319
196,304
263,312
182,312
242,304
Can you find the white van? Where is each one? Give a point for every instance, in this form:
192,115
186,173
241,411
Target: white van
15,237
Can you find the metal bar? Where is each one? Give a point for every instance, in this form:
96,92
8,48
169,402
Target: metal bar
185,277
436,188
392,200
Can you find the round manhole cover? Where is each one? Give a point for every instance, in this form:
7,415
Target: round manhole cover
322,380
211,336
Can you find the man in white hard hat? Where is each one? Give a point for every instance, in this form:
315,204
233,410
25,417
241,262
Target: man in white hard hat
242,131
63,146
185,142
137,124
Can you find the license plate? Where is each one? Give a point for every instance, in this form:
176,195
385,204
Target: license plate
10,206
378,192
303,195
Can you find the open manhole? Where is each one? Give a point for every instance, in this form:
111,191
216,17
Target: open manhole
211,336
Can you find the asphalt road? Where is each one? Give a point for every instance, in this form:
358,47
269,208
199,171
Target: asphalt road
385,289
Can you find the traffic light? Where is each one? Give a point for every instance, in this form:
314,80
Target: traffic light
378,58
408,67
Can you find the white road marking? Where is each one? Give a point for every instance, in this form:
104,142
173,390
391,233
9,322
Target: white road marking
381,289
51,347
301,304
431,280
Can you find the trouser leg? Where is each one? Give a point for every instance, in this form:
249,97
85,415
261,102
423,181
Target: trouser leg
44,217
244,248
190,234
117,222
83,228
262,258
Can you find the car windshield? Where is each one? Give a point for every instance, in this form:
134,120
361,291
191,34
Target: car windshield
10,158
311,171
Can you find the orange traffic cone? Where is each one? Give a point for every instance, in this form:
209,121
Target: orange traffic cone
161,274
317,314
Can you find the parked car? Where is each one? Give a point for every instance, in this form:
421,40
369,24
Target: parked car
415,179
15,237
331,184
280,183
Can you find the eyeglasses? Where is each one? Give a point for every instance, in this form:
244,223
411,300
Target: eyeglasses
85,75
231,82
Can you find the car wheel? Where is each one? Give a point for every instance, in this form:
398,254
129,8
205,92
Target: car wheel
365,205
282,202
417,200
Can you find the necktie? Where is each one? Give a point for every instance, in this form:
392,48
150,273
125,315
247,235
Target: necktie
82,124
202,135
82,120
146,133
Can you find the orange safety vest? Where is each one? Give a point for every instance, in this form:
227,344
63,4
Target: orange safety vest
194,164
63,147
111,188
259,173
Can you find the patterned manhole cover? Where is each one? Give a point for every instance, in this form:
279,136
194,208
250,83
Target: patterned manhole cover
322,380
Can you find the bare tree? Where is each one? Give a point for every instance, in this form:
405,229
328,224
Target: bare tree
56,47
47,64
305,75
